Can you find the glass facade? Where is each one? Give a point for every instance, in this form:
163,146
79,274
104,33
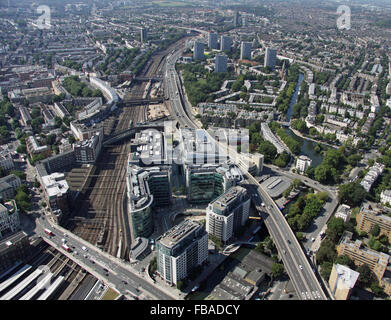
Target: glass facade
204,187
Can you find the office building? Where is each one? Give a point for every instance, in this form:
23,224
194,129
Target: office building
212,40
228,213
146,188
225,43
303,163
270,58
143,35
87,151
199,48
9,218
342,280
56,193
370,216
236,19
245,50
13,249
199,148
221,63
180,250
206,182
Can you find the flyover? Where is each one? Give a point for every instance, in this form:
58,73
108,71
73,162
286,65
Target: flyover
295,261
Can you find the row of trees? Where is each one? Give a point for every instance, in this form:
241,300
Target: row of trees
79,89
305,209
333,165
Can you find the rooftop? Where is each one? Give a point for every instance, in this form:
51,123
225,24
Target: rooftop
178,233
347,275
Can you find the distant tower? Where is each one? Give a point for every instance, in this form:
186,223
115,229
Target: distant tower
221,63
245,50
236,19
212,40
225,43
245,21
144,35
199,48
270,58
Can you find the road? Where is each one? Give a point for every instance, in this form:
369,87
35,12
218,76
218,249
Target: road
103,266
295,261
330,206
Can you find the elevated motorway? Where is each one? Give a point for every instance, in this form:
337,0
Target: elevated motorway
103,266
295,261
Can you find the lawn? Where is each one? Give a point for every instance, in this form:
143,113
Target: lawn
110,295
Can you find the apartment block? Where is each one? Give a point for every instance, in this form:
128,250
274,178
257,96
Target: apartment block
370,216
342,280
376,261
180,250
228,213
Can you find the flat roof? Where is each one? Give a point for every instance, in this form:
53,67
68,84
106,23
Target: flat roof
178,233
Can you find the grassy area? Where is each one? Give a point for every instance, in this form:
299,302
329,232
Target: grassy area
171,3
110,295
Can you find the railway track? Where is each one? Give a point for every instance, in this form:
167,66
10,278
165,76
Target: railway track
100,215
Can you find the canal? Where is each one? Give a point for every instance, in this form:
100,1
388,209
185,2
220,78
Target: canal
307,146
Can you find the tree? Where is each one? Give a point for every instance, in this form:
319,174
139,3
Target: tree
326,268
344,260
375,230
20,174
351,194
366,277
277,270
335,228
326,252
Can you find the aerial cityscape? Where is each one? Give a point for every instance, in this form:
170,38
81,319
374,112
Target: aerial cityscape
199,150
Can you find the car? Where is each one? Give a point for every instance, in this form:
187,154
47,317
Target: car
124,282
84,248
284,251
312,239
301,267
289,241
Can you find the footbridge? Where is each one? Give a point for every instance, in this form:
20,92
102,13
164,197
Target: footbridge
141,102
114,138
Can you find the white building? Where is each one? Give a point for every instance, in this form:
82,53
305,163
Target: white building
9,218
343,212
226,214
180,250
302,163
385,197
